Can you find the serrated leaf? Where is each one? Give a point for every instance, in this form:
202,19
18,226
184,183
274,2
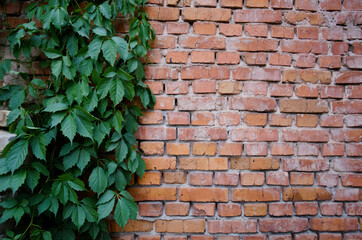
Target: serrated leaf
94,48
13,115
84,127
105,209
86,67
121,151
17,154
7,214
32,178
141,166
84,159
69,127
58,17
40,168
5,181
109,49
72,45
98,180
91,102
145,98
17,99
54,206
53,53
76,184
117,121
116,91
121,214
44,205
56,67
18,214
71,159
57,118
56,107
78,216
9,203
100,31
37,144
106,10
17,180
38,82
122,47
63,194
121,181
99,133
47,235
106,197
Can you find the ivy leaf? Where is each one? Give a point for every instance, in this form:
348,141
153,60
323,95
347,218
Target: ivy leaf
32,178
98,180
91,102
121,151
122,47
141,166
78,216
106,10
17,99
109,49
121,181
17,154
117,121
94,48
86,67
53,53
13,115
100,31
116,91
37,144
69,127
84,127
105,209
58,17
17,179
40,168
84,159
71,159
145,98
57,118
56,107
18,214
106,197
100,133
122,213
72,45
56,67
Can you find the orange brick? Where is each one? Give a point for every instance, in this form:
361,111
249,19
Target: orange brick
200,179
160,163
256,119
215,163
178,118
282,32
206,14
280,120
230,29
203,194
162,13
176,208
256,3
150,209
229,209
150,178
255,194
152,148
164,103
306,208
353,180
255,209
131,226
174,177
255,59
181,226
307,120
203,148
282,149
177,27
277,178
204,28
229,87
202,119
229,118
203,209
252,179
280,59
178,148
230,149
306,194
176,57
231,3
151,118
153,193
156,87
334,224
227,58
179,87
256,30
206,3
226,178
307,32
204,86
202,57
301,178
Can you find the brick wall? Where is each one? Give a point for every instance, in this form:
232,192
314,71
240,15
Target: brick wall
256,133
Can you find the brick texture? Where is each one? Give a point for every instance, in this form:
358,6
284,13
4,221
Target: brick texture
256,133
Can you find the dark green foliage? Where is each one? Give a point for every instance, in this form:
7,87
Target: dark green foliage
60,167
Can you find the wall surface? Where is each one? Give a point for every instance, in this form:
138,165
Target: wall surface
256,133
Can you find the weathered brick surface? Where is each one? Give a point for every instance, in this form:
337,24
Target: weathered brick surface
257,125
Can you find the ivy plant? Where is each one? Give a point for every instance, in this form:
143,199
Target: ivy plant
74,153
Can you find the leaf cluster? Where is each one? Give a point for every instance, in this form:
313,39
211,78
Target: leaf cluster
74,152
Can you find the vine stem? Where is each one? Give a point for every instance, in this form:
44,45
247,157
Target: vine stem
30,224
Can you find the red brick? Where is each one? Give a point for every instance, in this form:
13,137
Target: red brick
357,48
204,28
352,5
307,91
203,209
254,135
255,59
349,77
280,209
176,57
181,226
200,179
307,120
173,177
254,44
347,107
149,237
164,103
158,73
306,208
152,148
177,27
283,225
334,224
229,118
332,92
319,47
331,209
353,62
354,135
252,104
150,209
353,121
255,209
339,48
295,46
151,118
231,179
354,209
282,32
256,88
215,164
227,58
285,4
255,194
202,119
232,226
256,30
331,5
314,136
330,62
280,59
307,149
280,120
153,193
162,13
354,33
306,194
178,118
160,163
230,29
290,135
156,87
282,149
153,56
354,91
251,179
230,149
256,3
218,134
333,149
206,14
335,34
231,3
200,103
307,32
178,149
330,236
347,165
309,5
258,16
164,42
346,194
327,179
202,57
301,178
158,26
229,87
353,236
202,42
256,119
352,180
277,178
206,3
203,194
204,86
155,133
176,208
229,209
200,149
354,150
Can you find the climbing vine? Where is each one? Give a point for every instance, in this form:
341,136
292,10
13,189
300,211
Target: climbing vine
74,152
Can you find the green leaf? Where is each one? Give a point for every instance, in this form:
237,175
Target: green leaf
13,115
7,214
117,121
40,168
91,102
106,197
17,180
122,213
57,118
84,127
71,159
69,127
109,49
47,235
145,98
94,48
141,166
17,154
105,209
100,31
58,17
37,144
44,205
116,91
17,99
121,151
100,133
9,203
106,10
78,216
53,53
5,182
56,67
98,180
84,159
54,206
121,181
18,214
38,82
72,45
122,47
76,184
86,67
32,178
